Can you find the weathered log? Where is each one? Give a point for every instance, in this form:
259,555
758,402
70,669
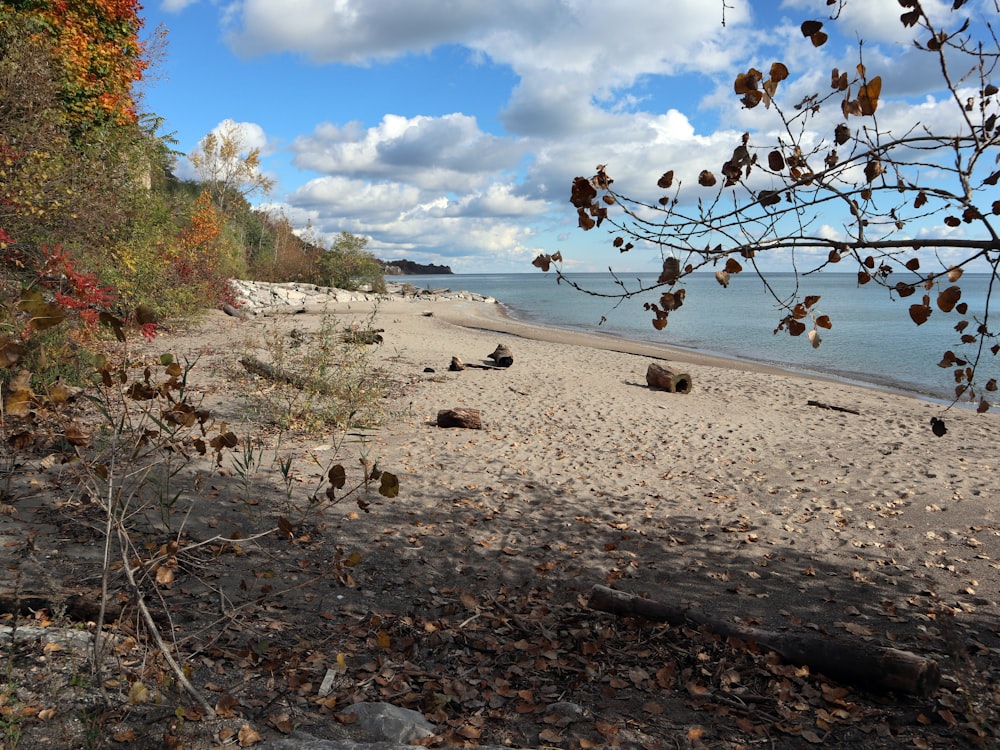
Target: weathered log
458,365
263,369
77,607
362,336
658,376
865,665
468,418
233,311
503,356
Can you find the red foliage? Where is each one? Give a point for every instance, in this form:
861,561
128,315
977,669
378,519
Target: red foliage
73,290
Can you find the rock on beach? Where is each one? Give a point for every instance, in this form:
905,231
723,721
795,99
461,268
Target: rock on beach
261,297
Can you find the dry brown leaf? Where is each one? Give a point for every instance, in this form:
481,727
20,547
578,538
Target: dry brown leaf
248,736
226,706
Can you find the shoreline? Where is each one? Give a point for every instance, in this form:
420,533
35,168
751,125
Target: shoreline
507,322
269,297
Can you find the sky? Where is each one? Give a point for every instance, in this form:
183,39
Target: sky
449,131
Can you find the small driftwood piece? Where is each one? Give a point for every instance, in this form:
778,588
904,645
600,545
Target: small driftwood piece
470,419
821,405
865,665
502,355
658,376
362,336
458,365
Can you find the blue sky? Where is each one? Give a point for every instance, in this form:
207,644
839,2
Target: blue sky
449,131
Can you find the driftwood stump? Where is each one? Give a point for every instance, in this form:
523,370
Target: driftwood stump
865,665
503,356
456,365
658,376
468,418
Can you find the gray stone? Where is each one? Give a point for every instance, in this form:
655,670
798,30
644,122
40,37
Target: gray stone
391,723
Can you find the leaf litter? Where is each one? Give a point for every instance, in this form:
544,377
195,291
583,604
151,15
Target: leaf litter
473,613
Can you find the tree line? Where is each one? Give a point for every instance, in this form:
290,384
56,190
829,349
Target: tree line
95,227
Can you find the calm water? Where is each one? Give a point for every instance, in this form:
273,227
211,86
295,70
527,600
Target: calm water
872,340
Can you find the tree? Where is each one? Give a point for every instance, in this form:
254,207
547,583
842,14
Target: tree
95,46
347,263
901,198
65,180
228,166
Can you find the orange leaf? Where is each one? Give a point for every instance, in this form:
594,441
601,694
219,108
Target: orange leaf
868,95
248,736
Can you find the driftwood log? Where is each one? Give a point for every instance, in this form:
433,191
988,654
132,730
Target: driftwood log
658,376
232,311
470,419
864,665
458,365
255,366
503,356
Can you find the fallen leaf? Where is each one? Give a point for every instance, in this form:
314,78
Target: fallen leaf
248,736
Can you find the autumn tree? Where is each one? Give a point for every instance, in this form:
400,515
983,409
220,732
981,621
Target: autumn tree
898,199
96,49
228,165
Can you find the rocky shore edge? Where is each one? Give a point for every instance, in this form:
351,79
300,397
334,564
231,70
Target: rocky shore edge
260,297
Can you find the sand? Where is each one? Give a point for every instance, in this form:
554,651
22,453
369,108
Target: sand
739,496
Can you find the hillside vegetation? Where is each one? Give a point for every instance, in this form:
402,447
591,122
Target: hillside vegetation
94,226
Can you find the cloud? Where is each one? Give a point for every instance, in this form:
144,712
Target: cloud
445,153
439,187
176,6
573,57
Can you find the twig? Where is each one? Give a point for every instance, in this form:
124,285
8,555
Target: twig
821,405
154,631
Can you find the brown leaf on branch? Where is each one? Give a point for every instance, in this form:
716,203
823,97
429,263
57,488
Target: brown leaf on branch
920,313
868,96
947,299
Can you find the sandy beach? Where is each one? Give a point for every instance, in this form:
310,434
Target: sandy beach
741,496
465,597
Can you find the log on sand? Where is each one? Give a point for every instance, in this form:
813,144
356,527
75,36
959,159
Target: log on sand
271,372
861,664
502,355
658,376
468,418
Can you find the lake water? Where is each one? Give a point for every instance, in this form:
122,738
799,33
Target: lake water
872,341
